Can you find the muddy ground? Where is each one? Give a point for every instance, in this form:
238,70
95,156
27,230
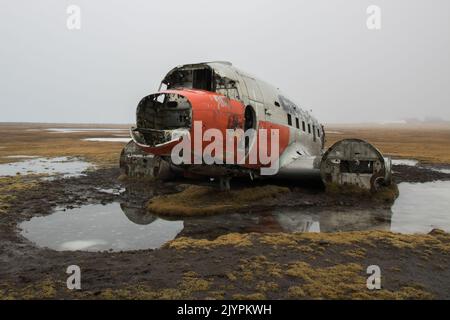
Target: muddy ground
217,266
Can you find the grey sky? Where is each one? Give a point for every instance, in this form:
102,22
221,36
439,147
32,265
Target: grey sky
318,52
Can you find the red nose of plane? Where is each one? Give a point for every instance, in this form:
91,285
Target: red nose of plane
164,118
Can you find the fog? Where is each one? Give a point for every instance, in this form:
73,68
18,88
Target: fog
320,53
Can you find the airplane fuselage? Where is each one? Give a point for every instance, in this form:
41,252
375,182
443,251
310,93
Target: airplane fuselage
220,97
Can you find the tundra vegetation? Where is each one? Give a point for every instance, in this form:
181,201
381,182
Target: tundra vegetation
291,266
427,143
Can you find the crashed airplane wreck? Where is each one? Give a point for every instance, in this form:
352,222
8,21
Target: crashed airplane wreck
205,103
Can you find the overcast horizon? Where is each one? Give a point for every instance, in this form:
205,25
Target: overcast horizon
319,53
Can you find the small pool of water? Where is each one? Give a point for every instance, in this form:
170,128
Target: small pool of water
108,139
120,227
63,166
422,207
404,162
98,228
115,191
78,130
442,170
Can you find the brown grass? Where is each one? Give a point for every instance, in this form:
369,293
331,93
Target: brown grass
439,240
45,289
386,194
201,200
230,239
342,281
9,186
16,139
427,143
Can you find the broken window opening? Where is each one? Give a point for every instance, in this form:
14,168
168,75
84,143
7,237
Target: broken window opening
304,126
162,87
357,166
250,118
297,123
226,86
158,114
289,117
198,78
201,78
309,128
314,133
250,123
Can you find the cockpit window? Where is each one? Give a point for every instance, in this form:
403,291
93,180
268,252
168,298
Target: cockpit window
190,78
226,87
203,79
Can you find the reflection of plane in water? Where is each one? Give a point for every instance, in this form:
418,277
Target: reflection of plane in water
137,215
331,220
134,206
288,220
136,196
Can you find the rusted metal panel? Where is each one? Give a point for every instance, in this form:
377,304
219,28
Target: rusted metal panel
136,163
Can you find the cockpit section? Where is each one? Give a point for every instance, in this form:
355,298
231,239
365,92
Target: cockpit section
190,78
200,77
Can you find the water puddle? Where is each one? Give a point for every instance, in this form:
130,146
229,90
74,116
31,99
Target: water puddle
405,162
62,166
118,227
79,130
446,171
115,191
287,220
108,139
98,228
420,208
